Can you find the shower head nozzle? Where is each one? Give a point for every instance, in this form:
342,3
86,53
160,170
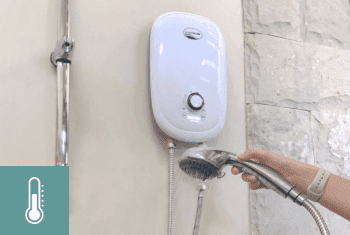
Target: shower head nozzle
204,163
199,168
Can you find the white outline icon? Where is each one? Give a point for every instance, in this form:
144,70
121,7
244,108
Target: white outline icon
35,214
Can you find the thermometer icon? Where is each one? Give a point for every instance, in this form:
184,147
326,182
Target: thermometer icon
34,213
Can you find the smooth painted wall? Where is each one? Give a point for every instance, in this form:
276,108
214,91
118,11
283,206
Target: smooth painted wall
117,155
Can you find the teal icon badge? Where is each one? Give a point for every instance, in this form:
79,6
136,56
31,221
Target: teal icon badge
34,213
36,200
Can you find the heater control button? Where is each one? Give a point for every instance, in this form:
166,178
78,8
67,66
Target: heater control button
195,101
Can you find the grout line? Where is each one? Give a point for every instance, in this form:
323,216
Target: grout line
312,139
274,36
282,107
245,116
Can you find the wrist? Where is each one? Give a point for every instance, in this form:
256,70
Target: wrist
303,174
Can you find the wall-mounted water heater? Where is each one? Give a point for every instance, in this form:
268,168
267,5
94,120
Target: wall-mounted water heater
188,76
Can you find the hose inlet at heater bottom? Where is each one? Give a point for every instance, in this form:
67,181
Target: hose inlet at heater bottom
317,217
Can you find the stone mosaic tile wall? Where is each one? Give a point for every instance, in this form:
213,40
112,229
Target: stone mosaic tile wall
297,73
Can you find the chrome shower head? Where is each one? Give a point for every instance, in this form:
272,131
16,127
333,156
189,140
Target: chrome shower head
204,163
207,163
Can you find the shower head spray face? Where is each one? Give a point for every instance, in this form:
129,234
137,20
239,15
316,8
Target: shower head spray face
205,163
199,168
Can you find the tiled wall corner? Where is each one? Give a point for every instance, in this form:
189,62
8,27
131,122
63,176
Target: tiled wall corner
327,23
331,132
322,22
297,134
284,22
281,130
297,74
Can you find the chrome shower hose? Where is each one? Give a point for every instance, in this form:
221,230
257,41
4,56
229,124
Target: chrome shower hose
171,148
317,217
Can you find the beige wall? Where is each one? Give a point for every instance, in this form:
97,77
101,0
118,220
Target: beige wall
117,157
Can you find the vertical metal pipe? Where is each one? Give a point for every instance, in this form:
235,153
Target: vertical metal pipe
63,70
63,19
202,188
62,60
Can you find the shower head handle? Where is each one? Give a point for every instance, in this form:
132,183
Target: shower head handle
265,174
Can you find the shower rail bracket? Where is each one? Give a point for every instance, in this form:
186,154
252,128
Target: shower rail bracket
64,51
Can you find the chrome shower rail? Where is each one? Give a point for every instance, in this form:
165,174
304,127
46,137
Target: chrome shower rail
61,58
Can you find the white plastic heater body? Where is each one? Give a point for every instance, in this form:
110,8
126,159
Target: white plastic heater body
188,76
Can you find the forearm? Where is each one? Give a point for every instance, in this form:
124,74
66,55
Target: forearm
336,196
336,193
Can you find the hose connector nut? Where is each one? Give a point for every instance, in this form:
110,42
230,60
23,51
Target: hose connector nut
171,145
202,186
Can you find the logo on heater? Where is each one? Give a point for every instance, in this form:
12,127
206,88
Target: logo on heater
193,33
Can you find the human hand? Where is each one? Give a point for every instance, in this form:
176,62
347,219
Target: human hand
288,168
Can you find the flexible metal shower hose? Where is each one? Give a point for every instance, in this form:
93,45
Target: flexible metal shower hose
199,212
310,207
171,190
317,217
